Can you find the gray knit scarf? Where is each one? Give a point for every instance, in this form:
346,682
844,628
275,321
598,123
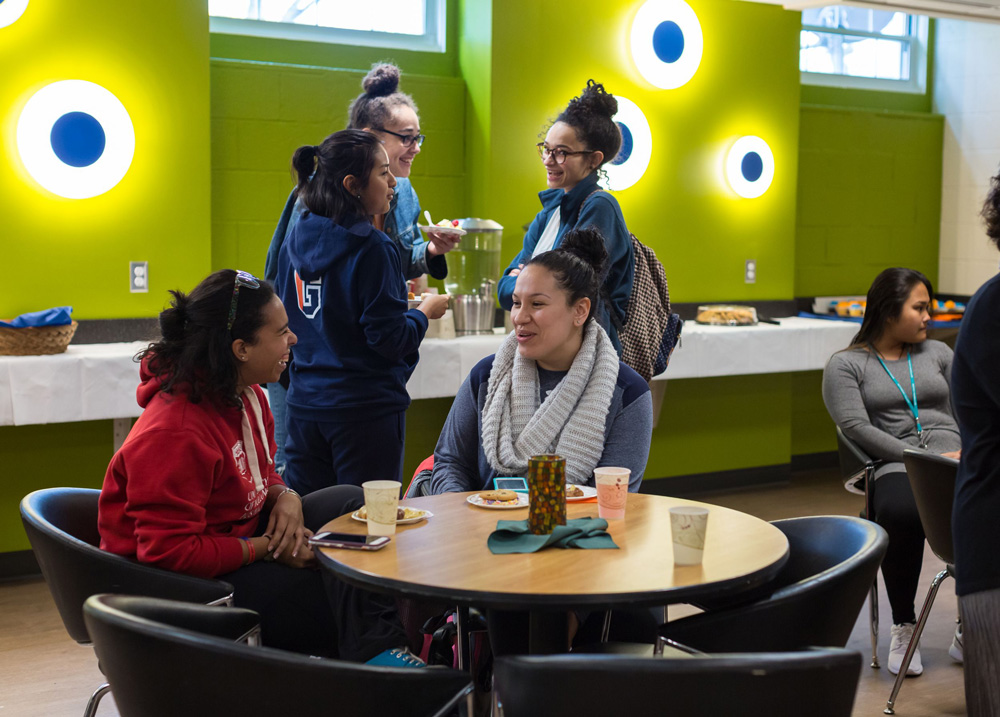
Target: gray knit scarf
572,418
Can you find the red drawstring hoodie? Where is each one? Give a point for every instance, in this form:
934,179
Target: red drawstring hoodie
189,481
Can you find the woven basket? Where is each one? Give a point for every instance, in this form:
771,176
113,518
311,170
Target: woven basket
35,340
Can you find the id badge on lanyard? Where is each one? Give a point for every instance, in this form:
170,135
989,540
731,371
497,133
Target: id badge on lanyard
912,405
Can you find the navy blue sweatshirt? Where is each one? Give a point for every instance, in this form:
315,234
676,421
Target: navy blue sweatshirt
344,292
975,390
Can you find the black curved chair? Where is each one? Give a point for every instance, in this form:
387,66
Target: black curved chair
822,682
858,471
932,478
813,601
61,524
165,658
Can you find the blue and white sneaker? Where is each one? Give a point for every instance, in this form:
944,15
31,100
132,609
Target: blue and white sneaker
397,657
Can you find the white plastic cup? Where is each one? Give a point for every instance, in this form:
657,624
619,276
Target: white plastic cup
381,502
612,491
687,526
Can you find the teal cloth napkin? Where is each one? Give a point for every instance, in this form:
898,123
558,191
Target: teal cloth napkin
512,536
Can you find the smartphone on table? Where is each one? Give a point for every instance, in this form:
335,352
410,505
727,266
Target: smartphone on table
514,483
349,541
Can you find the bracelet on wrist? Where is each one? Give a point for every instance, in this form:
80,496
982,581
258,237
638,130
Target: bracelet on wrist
251,553
286,489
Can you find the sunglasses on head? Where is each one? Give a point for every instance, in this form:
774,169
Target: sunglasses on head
243,278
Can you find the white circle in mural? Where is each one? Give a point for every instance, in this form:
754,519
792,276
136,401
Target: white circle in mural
11,11
75,138
750,167
633,158
667,42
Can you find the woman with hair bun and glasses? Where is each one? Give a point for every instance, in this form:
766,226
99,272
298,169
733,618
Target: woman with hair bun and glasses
341,280
583,139
392,116
889,391
193,489
976,391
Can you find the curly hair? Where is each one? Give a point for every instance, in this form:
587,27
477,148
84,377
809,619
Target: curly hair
374,107
991,211
591,115
195,354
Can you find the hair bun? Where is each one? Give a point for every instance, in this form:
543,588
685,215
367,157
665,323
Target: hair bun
597,100
587,244
381,80
174,319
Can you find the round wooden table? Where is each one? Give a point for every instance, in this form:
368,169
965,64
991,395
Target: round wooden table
445,558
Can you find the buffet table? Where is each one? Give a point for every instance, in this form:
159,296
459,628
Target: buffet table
98,381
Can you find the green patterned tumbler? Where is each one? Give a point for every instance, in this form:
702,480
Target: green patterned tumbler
546,493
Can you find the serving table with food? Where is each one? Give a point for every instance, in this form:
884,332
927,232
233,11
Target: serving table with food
445,558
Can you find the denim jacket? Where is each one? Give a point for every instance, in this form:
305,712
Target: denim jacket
584,205
403,212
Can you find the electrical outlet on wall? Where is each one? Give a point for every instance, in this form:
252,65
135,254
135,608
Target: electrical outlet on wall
750,272
138,277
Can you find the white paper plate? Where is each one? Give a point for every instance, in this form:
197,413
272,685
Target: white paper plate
522,502
424,515
455,231
588,492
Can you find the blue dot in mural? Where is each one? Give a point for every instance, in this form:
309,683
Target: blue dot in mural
752,166
78,139
627,142
668,41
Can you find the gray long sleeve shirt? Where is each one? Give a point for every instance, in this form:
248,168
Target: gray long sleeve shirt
870,409
459,460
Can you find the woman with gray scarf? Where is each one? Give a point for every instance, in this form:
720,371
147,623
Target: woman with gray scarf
555,386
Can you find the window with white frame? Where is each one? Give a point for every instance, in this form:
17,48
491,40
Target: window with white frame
861,48
404,24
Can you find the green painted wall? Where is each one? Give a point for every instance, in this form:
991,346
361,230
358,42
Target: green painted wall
262,112
869,197
748,83
154,58
34,457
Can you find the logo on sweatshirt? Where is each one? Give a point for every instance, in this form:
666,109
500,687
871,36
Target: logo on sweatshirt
309,295
240,456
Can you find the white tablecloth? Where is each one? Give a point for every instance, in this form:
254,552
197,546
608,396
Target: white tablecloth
98,381
798,344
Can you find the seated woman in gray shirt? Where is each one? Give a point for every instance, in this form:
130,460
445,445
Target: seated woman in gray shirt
888,391
555,386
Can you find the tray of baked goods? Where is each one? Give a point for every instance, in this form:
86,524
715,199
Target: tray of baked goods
726,315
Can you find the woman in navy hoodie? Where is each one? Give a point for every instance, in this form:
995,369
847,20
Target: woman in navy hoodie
342,282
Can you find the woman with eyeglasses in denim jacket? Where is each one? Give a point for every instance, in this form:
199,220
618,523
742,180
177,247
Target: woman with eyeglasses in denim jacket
392,116
583,139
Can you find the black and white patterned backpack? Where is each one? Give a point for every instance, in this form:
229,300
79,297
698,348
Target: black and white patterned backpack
650,330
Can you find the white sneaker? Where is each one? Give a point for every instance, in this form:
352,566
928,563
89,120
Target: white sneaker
901,635
956,649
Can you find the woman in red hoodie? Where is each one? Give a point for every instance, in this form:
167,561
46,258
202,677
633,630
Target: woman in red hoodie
193,489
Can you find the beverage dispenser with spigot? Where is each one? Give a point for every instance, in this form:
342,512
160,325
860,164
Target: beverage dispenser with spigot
473,271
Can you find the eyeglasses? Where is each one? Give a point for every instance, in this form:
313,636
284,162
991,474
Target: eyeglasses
243,278
559,155
406,139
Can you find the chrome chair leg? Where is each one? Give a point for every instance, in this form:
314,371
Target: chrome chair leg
606,629
915,640
95,700
873,620
462,636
